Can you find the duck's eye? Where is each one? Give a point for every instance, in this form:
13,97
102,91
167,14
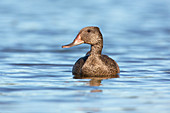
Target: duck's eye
88,30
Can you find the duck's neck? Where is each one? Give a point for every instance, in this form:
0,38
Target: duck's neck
96,49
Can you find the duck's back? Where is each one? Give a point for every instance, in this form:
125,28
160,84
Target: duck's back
110,63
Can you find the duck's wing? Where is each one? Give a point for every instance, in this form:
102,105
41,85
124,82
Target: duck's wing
110,63
78,65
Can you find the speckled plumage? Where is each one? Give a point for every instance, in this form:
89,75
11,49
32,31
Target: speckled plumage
94,64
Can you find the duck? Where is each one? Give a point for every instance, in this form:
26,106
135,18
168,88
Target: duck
94,63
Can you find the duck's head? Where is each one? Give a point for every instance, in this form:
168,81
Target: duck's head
89,35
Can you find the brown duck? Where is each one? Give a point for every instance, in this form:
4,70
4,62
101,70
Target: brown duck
94,64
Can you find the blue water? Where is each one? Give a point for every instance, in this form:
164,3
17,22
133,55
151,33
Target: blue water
35,72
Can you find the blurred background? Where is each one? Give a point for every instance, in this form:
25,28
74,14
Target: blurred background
35,71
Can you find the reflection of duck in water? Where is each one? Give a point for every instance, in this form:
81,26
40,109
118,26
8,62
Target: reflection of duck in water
95,81
94,64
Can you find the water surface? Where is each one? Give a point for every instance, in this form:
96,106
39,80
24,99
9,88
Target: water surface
35,72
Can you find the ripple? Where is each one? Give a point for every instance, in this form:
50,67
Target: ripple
29,64
33,88
15,50
158,58
62,100
7,102
36,76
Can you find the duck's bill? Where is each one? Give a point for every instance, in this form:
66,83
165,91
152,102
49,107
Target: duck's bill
77,41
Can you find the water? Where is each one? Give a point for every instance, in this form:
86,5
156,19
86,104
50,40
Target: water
35,72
